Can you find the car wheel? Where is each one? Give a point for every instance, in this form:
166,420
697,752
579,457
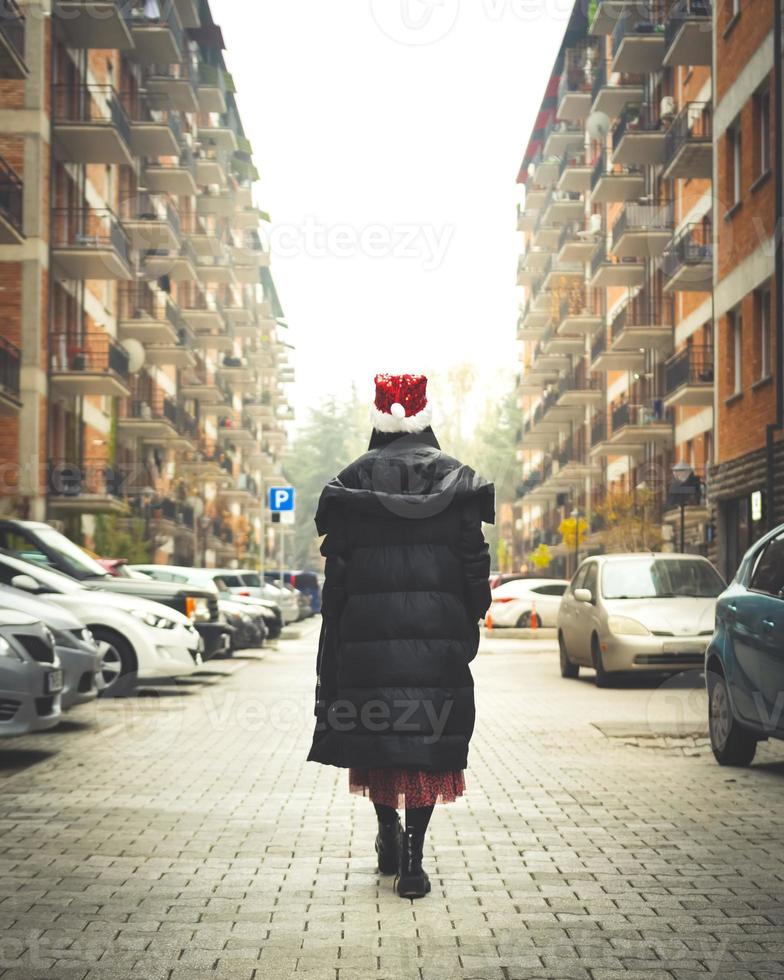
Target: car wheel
732,744
528,620
568,669
118,663
602,679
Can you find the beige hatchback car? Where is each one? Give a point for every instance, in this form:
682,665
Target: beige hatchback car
637,612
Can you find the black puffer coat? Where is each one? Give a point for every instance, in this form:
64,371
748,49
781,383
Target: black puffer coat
407,572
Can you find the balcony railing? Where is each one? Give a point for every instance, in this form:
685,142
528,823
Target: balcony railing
574,78
599,429
12,27
691,366
637,119
646,309
638,414
11,196
692,247
642,218
141,16
88,351
603,74
693,124
91,476
685,10
90,103
89,228
10,360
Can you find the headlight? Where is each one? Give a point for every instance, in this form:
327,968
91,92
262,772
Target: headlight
6,650
153,619
622,626
197,609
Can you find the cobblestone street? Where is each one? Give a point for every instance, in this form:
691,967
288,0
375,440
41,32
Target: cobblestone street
181,834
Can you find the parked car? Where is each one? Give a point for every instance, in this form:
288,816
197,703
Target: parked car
637,612
75,645
744,663
307,582
41,544
137,639
238,582
519,602
31,678
247,623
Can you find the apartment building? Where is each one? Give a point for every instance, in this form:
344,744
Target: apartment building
746,481
143,358
617,379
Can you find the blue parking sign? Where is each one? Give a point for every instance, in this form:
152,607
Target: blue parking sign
281,499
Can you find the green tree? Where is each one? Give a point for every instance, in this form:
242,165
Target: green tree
130,542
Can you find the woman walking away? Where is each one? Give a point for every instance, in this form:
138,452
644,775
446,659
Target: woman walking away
407,571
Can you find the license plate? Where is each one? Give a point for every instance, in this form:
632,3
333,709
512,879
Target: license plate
54,682
688,649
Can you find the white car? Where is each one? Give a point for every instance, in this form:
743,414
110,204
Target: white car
137,638
516,603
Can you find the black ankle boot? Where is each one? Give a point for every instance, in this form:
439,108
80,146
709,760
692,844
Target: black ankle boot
388,846
411,881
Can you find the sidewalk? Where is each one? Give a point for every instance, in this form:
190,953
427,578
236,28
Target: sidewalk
193,841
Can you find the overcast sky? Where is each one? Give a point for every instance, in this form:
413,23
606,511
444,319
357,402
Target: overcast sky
388,134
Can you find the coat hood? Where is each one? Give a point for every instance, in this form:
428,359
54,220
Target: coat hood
405,475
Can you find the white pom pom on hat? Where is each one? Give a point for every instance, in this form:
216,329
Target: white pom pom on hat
397,410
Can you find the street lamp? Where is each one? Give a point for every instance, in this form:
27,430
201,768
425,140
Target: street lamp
576,519
642,487
682,473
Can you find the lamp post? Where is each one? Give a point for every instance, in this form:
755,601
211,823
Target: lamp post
576,519
642,487
682,472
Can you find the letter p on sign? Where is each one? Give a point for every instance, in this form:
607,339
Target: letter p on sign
281,499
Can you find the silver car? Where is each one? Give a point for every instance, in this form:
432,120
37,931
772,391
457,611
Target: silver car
31,679
637,612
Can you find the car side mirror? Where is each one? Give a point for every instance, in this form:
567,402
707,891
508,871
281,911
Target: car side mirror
26,583
583,595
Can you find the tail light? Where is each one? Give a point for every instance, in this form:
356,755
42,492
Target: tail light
506,598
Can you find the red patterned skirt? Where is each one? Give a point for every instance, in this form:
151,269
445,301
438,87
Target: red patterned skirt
410,788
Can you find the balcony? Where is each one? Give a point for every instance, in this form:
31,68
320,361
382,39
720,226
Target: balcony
638,41
689,33
688,262
577,394
201,311
212,165
172,86
688,378
148,315
544,237
212,88
689,143
607,13
635,425
616,185
608,271
12,41
642,230
576,244
645,322
562,208
223,133
202,386
94,23
237,373
527,219
202,239
10,361
535,196
530,266
242,488
237,428
91,125
150,223
218,270
157,40
574,175
605,360
561,137
543,169
86,486
149,416
178,265
612,91
639,138
575,87
90,244
581,313
172,175
242,317
154,133
555,343
217,204
88,362
188,12
561,275
11,204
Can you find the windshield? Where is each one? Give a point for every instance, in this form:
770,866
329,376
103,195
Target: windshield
660,578
251,579
58,542
48,578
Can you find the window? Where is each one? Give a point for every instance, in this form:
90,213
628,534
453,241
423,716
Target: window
768,574
550,590
762,131
660,578
734,164
592,579
735,351
762,317
578,582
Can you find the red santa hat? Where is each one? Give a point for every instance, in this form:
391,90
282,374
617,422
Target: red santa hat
401,403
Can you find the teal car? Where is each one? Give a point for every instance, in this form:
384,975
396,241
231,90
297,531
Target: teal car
745,659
